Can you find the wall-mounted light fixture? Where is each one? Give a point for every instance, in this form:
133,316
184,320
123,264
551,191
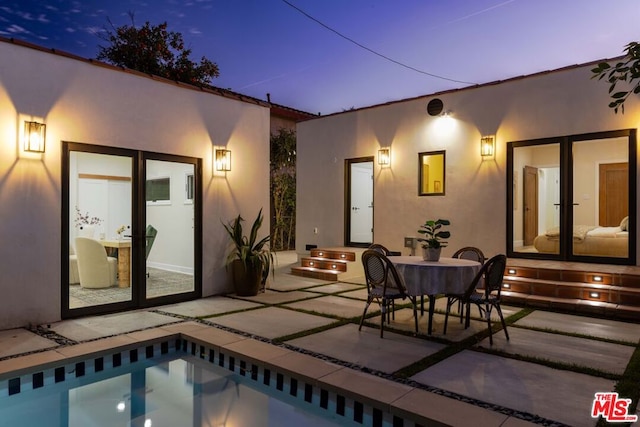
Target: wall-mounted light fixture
384,156
487,146
34,137
223,160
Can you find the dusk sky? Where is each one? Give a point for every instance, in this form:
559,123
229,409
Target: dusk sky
267,46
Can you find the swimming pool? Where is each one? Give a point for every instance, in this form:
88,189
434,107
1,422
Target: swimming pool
173,390
283,391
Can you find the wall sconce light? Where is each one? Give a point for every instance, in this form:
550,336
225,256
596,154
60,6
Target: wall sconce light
384,156
34,137
487,146
223,160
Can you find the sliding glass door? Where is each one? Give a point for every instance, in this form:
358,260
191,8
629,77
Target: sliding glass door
131,224
170,227
573,198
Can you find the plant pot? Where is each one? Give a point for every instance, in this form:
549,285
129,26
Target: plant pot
246,281
431,254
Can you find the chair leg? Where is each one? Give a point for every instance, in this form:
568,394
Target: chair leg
415,315
504,325
393,311
488,314
446,317
421,305
467,319
384,307
366,307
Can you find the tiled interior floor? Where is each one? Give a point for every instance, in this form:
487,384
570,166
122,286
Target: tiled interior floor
321,318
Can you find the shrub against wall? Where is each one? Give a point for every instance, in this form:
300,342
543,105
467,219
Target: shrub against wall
283,190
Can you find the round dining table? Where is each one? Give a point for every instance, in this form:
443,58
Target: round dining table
445,276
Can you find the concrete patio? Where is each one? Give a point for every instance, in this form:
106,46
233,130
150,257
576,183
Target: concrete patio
547,373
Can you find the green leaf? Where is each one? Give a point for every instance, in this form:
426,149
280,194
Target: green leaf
619,95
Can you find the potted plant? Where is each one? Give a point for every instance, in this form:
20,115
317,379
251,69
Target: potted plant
432,241
250,260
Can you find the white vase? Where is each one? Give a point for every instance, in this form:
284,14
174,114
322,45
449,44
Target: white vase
431,254
87,231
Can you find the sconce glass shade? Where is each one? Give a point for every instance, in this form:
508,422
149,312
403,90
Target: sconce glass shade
223,160
384,156
34,137
487,146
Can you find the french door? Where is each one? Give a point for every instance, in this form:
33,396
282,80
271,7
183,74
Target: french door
573,198
131,229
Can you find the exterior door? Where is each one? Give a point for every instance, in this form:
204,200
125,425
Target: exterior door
359,213
110,262
170,226
585,187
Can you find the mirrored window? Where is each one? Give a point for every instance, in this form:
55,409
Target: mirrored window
431,172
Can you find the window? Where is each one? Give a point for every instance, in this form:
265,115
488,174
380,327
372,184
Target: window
159,190
188,188
431,172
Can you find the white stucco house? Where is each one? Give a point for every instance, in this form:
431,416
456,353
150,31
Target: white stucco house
109,134
560,160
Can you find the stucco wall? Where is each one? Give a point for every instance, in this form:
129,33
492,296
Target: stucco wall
85,103
564,102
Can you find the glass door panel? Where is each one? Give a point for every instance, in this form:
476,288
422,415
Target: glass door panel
536,198
100,218
170,228
601,197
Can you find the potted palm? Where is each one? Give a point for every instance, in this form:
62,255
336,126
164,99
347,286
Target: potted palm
432,242
250,260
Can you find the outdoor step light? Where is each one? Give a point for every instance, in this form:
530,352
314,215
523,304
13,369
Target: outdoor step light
34,137
223,160
487,146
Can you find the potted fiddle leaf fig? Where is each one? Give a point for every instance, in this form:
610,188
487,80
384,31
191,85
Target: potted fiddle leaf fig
250,259
433,238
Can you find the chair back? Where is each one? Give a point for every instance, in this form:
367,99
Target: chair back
150,237
470,253
494,273
380,248
93,263
491,275
381,275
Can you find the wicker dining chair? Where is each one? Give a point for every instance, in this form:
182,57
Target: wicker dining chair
473,254
492,272
384,285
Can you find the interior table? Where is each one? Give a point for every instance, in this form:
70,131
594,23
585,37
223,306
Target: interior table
124,260
446,276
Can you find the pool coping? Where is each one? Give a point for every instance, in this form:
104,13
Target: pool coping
339,386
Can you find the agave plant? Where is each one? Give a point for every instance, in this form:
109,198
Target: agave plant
245,248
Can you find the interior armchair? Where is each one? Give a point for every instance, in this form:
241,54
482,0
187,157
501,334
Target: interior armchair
74,276
95,268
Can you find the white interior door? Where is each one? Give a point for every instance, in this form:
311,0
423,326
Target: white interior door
361,209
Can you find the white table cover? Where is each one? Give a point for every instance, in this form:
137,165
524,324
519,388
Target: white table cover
446,276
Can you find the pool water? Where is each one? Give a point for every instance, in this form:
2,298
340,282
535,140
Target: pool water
172,391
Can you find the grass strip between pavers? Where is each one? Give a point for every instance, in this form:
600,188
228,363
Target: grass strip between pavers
628,387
